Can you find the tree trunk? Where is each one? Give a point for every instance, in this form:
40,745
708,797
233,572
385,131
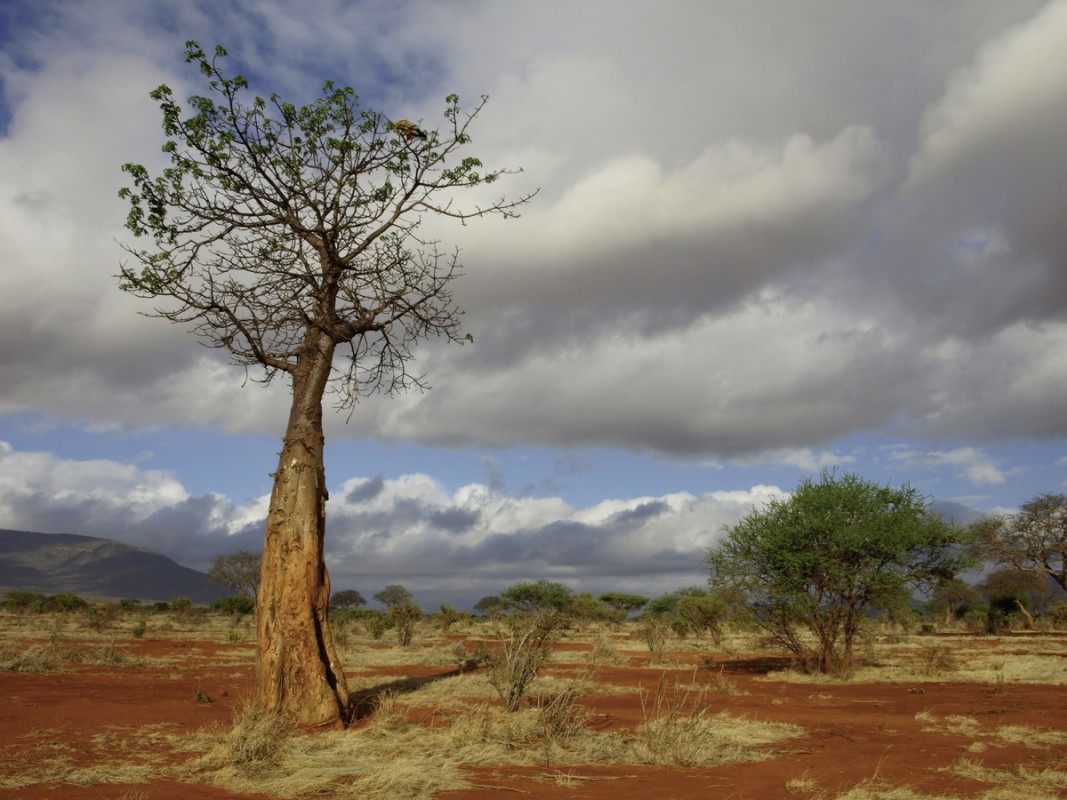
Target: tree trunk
1031,624
298,673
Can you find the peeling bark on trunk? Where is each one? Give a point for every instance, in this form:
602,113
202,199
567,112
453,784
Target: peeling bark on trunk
298,673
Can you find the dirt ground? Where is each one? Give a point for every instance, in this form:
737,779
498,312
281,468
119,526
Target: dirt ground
900,733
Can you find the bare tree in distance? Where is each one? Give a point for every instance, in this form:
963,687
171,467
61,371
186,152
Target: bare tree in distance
239,570
289,236
1032,540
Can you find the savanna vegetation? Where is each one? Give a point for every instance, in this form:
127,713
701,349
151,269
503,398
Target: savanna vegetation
532,701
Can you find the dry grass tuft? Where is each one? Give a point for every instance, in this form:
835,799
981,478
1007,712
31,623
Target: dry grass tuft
805,784
257,738
678,730
958,725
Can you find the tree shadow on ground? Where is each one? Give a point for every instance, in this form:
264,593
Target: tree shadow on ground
363,703
756,666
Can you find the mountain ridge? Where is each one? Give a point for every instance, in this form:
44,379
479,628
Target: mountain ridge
55,563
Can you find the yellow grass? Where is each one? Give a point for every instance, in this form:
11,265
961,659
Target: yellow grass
461,724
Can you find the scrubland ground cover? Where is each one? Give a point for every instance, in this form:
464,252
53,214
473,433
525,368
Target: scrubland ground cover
153,706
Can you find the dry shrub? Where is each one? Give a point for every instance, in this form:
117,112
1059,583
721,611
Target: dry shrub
523,644
104,655
604,652
101,616
32,659
936,660
561,720
724,685
654,631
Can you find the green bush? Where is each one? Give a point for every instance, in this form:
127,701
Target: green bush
377,623
235,605
446,616
703,614
1056,617
19,600
65,602
540,596
404,617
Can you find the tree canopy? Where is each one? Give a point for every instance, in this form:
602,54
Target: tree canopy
393,595
539,595
821,559
1033,539
347,598
275,218
239,570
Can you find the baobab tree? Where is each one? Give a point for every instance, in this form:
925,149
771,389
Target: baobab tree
289,236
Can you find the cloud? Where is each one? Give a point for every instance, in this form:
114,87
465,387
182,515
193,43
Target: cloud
982,190
968,461
467,543
412,529
146,508
807,459
745,243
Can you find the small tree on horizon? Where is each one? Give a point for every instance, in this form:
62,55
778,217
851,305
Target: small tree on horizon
347,598
539,595
393,595
289,236
239,570
489,604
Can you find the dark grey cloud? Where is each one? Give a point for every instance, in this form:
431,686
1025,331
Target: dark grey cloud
762,225
368,490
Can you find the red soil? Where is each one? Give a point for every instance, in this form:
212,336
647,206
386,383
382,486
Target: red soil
853,731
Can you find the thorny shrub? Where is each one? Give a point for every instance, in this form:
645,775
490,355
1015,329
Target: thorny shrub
523,643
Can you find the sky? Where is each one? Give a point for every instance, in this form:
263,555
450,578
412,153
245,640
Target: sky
770,238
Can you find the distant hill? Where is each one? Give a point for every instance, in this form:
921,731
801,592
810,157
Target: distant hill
53,563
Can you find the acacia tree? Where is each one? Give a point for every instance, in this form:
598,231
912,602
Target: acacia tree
347,598
393,595
289,236
1032,540
541,595
821,559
